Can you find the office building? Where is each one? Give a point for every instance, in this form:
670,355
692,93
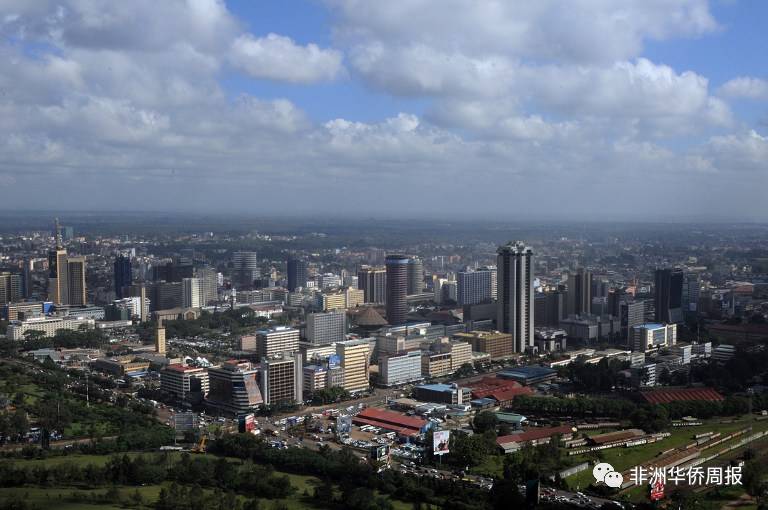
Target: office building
435,364
277,340
354,356
297,274
449,394
497,344
668,295
123,275
23,310
48,326
549,308
247,343
415,276
128,308
182,382
400,368
190,288
515,314
208,284
332,300
315,379
373,282
11,287
245,269
632,313
234,388
76,281
651,336
397,289
282,379
580,292
473,287
160,347
326,328
691,294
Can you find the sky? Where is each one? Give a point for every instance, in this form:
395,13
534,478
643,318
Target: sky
607,110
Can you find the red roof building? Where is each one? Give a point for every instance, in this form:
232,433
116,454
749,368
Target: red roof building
396,422
501,390
665,396
534,436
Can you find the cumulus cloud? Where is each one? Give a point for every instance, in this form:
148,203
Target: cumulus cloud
745,87
279,58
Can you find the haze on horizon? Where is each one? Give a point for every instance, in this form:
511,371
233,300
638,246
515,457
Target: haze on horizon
621,110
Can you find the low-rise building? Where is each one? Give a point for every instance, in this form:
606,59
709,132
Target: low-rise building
184,383
48,326
400,368
498,345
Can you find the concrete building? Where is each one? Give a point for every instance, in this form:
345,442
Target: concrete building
668,295
234,388
354,358
326,328
415,276
123,275
245,269
400,368
449,394
632,314
208,284
461,354
75,288
651,336
297,274
282,379
160,347
184,383
373,282
277,340
397,289
190,288
332,300
515,295
498,345
11,287
579,292
48,326
549,308
23,310
435,364
315,378
473,287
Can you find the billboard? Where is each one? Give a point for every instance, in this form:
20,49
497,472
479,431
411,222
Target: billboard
343,425
246,423
440,440
185,422
334,361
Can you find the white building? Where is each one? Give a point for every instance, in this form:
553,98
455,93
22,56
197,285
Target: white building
400,368
191,292
651,336
48,325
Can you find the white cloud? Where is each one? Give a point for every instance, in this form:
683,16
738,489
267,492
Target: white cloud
745,87
276,57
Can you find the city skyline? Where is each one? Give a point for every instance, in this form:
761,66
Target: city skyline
640,110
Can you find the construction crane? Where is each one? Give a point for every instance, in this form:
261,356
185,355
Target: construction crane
201,446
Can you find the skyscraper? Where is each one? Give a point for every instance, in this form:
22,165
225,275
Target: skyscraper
397,288
474,286
11,287
415,276
246,269
76,291
191,292
208,284
57,270
297,274
515,313
373,282
123,275
580,292
668,296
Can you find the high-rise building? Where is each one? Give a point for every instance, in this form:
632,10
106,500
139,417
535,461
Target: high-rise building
76,290
282,379
209,288
549,308
123,275
354,356
297,274
234,388
415,276
27,271
277,340
632,313
580,292
246,269
515,314
190,292
11,287
160,347
668,296
473,287
373,282
691,293
400,368
326,328
653,336
57,276
181,381
397,289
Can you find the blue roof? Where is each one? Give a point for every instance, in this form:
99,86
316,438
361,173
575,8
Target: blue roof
437,387
651,325
534,371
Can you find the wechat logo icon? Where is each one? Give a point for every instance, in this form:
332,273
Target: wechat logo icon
604,472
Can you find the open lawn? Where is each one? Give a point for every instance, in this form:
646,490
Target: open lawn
625,458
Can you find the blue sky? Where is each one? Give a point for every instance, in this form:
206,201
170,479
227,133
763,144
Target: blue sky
630,109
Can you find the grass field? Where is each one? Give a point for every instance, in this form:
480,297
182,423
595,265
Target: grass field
625,458
56,497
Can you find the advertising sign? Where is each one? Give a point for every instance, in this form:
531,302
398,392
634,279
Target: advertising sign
343,425
440,442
